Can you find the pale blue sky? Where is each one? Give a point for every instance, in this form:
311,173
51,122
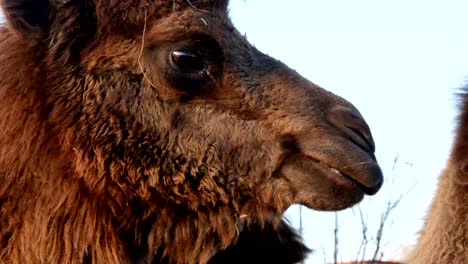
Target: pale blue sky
400,62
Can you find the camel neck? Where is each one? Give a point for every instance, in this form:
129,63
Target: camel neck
444,237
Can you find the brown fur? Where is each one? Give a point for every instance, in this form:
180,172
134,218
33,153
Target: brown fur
108,154
444,237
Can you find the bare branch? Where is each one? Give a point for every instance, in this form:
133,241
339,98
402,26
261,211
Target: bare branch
365,240
335,251
390,207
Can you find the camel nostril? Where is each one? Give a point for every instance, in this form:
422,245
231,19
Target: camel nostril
350,121
366,137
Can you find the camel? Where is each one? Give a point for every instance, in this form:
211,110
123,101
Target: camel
142,131
444,236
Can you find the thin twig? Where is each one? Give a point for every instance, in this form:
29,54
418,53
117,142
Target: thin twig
365,240
390,207
196,8
141,51
324,255
356,164
204,21
335,251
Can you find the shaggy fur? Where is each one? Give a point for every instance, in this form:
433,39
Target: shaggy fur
444,237
116,149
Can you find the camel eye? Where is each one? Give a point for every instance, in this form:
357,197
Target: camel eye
187,61
191,66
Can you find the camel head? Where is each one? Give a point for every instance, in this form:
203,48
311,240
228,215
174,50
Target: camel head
168,103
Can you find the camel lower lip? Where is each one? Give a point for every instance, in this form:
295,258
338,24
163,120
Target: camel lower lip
341,178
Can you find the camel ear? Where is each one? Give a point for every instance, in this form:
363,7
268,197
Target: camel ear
32,18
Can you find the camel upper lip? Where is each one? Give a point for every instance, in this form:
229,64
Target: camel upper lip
369,190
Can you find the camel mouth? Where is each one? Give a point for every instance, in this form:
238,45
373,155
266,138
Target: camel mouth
329,175
320,186
342,178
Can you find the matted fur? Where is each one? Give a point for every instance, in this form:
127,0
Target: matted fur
108,154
